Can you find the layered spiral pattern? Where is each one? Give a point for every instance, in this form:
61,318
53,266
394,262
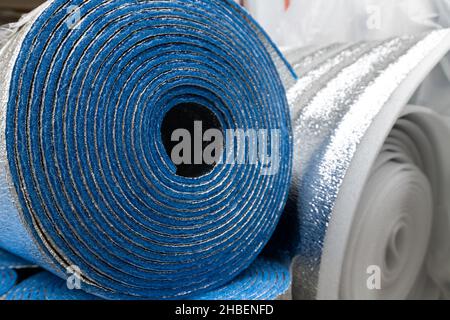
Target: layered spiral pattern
91,178
397,210
271,279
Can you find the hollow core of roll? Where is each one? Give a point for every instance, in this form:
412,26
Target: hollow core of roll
184,116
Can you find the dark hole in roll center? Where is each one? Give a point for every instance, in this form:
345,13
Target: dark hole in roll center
194,119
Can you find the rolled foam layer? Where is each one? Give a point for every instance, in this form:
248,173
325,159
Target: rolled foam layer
85,178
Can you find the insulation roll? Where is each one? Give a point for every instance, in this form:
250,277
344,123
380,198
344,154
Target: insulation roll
402,199
263,280
8,279
369,212
45,286
90,93
9,261
8,276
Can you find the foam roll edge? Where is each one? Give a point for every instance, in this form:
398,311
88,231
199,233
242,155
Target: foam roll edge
9,261
371,176
10,265
265,280
85,178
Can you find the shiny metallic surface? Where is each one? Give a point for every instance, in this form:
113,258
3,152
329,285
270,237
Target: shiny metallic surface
84,177
334,104
16,231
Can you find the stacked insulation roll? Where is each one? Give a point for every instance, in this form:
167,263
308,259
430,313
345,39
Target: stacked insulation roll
85,177
44,286
10,267
369,208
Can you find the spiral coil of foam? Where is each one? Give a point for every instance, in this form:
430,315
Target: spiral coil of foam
9,261
263,280
85,179
371,176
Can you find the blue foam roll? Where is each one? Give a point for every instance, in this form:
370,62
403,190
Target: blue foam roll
9,261
87,181
264,280
8,278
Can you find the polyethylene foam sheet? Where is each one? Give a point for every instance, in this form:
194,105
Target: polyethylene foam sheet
368,215
85,179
